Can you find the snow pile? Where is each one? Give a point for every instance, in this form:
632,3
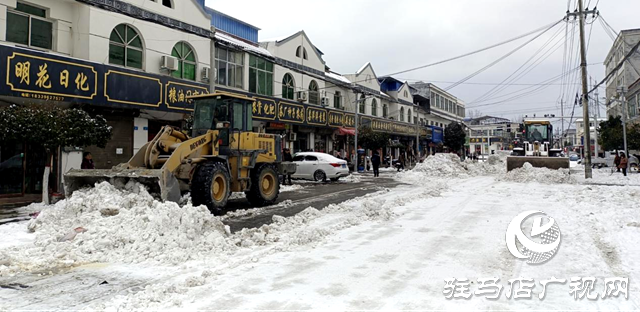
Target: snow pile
441,165
290,188
352,178
105,224
528,174
312,225
495,164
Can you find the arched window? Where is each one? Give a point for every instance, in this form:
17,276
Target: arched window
167,3
409,115
385,110
186,61
301,52
125,47
314,96
363,102
401,113
288,87
374,107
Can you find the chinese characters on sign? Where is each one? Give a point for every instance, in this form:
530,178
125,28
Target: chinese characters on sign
316,116
291,112
50,79
177,94
522,288
264,109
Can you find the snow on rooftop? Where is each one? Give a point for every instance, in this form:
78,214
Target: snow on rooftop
363,67
241,44
384,94
337,77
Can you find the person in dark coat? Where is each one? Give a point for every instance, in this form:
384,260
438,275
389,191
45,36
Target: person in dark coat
623,164
400,162
375,162
616,161
87,161
286,156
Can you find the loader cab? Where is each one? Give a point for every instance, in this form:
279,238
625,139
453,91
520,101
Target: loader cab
537,131
224,113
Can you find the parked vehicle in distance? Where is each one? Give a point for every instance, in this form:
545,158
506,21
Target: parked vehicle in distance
319,167
574,157
607,161
634,163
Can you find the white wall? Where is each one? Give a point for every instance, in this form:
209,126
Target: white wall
83,31
287,50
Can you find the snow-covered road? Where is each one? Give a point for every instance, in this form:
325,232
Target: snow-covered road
388,250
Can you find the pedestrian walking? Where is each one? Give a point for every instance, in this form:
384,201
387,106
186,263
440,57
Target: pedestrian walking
375,162
87,161
286,156
616,161
623,163
400,163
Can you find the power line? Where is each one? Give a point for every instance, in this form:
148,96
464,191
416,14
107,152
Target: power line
499,59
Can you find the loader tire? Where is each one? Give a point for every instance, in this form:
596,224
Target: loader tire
265,186
211,186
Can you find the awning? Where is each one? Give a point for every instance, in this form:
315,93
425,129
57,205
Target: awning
345,131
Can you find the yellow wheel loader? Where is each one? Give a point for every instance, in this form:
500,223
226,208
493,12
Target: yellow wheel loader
536,147
222,156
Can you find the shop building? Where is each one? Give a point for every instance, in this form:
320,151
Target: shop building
488,134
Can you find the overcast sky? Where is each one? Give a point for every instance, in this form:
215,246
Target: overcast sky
403,34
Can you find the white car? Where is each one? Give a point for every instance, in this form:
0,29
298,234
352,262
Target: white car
319,167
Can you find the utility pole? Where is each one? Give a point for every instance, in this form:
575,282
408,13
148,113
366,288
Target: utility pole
212,62
623,106
355,158
595,121
562,132
585,99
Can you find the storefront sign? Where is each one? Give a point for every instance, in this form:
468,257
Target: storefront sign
42,76
36,75
276,125
290,112
264,109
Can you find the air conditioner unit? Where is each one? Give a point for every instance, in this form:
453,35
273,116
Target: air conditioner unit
324,101
169,63
206,73
292,136
302,96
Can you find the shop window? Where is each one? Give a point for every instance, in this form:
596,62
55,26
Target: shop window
337,100
314,95
288,87
186,61
125,47
230,65
260,76
28,25
374,107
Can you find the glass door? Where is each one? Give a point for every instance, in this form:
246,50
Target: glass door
12,170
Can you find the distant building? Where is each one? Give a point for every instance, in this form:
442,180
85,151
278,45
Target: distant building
593,135
628,73
488,134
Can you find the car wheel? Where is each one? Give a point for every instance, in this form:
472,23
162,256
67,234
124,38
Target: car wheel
319,175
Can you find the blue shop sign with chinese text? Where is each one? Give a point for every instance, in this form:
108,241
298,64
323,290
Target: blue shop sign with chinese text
36,75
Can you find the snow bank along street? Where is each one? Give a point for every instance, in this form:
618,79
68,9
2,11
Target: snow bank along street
107,248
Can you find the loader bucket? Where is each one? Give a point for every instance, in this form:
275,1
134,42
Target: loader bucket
160,184
514,162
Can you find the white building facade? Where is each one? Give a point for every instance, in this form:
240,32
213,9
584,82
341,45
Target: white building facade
627,74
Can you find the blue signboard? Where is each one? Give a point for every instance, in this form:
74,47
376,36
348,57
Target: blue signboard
32,74
35,75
